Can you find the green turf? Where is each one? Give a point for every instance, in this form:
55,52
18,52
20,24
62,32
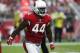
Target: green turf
58,48
12,49
67,48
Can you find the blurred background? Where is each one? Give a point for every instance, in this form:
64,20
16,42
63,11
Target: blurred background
65,16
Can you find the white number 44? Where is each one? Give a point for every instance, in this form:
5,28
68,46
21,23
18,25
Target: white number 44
37,29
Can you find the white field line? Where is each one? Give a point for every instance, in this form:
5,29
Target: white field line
16,44
53,52
20,44
67,43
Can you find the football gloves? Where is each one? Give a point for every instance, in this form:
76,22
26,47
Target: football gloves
52,45
10,40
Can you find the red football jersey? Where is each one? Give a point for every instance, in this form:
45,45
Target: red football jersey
36,27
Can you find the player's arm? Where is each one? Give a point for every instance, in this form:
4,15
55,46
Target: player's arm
49,35
49,32
16,31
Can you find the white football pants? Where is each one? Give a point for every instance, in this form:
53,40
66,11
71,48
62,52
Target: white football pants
33,48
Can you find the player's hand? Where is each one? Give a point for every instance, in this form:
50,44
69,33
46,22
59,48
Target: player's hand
10,40
52,45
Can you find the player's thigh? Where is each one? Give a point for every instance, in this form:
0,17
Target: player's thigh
32,48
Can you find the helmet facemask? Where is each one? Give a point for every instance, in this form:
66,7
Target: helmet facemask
41,11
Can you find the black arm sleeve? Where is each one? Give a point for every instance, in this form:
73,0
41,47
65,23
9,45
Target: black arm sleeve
17,30
49,32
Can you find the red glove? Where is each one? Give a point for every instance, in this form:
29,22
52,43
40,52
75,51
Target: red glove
9,41
52,45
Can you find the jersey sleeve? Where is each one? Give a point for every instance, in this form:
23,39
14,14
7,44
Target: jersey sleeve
25,17
49,18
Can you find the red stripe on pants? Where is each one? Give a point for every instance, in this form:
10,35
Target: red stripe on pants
24,46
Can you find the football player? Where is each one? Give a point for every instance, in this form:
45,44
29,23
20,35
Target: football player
37,24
